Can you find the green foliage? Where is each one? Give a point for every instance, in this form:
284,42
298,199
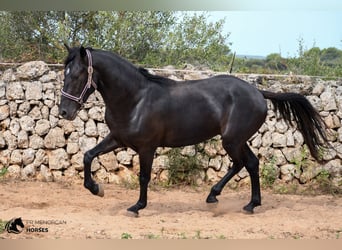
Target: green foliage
313,62
2,226
132,182
126,236
3,171
182,170
152,38
269,173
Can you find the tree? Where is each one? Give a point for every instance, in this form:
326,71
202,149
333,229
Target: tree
144,37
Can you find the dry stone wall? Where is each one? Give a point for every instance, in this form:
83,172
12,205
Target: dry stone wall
36,144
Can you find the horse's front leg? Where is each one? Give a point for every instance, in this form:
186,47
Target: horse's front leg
106,145
146,159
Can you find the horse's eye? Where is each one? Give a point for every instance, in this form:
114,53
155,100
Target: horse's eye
67,71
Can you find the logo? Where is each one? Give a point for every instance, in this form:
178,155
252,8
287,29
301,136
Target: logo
12,226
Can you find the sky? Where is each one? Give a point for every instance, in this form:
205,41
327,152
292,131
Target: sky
261,33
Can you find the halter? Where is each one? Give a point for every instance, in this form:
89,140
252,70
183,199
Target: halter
89,83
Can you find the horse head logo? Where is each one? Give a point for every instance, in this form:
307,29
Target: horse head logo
11,226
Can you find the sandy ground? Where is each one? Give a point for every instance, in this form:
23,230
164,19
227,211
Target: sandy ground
68,211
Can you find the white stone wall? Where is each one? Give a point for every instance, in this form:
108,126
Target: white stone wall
35,143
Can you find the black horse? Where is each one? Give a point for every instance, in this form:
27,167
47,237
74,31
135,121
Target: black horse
11,226
145,111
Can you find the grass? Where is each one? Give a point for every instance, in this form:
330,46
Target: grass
269,174
130,183
182,170
2,226
3,171
126,236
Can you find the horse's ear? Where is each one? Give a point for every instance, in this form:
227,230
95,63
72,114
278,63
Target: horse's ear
67,47
83,51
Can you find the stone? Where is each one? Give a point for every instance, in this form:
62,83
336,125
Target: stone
45,173
279,157
58,159
257,141
124,158
55,139
86,143
67,126
2,140
9,76
318,89
328,101
4,112
108,161
90,128
267,139
281,126
334,167
160,162
95,165
16,157
278,140
48,77
102,175
41,158
35,113
316,102
96,113
164,175
14,91
42,127
28,156
102,129
77,161
215,163
32,70
290,141
23,140
36,142
28,171
188,150
27,123
211,175
11,140
287,172
309,171
14,171
332,121
210,149
72,148
33,91
14,126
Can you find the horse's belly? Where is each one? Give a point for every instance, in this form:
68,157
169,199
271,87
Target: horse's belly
183,135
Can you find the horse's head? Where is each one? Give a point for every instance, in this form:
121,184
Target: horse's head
78,82
19,222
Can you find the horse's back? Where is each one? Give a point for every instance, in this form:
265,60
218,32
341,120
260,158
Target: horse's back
198,110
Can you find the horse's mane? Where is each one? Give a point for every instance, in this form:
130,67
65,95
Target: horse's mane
155,78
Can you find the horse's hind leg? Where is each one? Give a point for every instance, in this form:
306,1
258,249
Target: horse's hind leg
106,145
235,151
251,163
241,156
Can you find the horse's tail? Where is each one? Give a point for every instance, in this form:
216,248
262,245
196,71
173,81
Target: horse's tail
295,107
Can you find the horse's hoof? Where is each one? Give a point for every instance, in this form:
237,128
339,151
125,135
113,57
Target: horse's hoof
249,208
101,191
212,199
132,214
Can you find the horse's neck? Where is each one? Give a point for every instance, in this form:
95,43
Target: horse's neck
121,84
